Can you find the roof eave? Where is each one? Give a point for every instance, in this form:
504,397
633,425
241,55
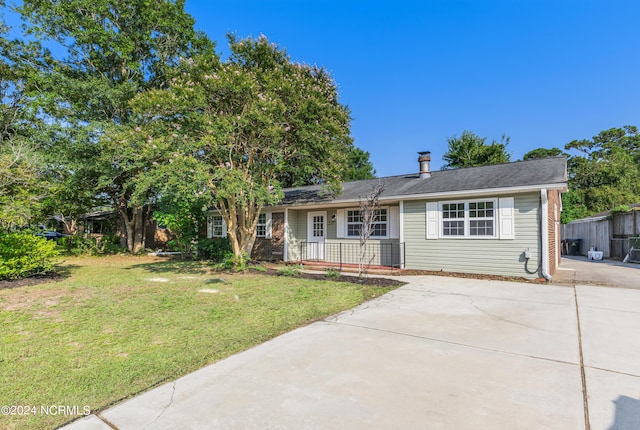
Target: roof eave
560,186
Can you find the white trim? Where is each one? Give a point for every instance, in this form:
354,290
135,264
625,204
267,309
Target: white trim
262,224
430,196
320,240
394,222
432,218
401,231
506,212
268,229
285,257
401,220
467,219
211,230
387,223
340,224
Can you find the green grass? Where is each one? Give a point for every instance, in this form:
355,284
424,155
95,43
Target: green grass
119,325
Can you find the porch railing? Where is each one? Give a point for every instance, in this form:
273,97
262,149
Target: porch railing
376,254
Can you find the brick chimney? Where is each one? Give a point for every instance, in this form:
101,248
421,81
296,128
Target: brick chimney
424,159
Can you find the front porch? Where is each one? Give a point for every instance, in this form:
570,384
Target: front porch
351,254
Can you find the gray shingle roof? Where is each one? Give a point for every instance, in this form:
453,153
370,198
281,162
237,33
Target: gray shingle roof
510,175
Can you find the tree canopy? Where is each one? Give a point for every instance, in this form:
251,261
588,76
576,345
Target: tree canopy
605,174
358,166
539,153
107,52
130,94
22,132
470,150
248,126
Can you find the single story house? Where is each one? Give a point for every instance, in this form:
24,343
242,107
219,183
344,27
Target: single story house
501,219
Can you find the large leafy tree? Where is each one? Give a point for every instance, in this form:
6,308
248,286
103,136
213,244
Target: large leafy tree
22,183
539,153
470,150
358,166
249,126
108,52
605,172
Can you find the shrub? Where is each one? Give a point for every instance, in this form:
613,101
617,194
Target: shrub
332,274
621,209
290,270
215,249
86,245
233,262
110,244
23,254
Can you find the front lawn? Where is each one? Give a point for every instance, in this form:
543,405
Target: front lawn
115,326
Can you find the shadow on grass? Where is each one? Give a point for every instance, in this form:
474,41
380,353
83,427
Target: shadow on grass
59,274
65,272
174,266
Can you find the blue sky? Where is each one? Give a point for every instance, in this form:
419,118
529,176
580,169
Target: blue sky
414,73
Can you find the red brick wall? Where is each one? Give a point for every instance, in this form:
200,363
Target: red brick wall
553,219
271,249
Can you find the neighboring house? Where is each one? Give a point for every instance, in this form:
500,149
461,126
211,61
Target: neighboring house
107,222
485,220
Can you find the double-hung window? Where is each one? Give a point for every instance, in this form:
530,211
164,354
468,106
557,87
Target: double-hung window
379,226
217,226
453,219
482,219
469,219
354,223
261,226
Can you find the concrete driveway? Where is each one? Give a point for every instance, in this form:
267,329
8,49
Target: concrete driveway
610,273
438,353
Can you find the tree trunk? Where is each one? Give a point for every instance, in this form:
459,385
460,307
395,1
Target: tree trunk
138,229
241,225
241,241
134,225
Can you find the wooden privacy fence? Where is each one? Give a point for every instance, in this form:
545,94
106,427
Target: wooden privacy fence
594,234
609,234
619,247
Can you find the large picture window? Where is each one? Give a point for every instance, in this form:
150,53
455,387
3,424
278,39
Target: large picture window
379,228
469,219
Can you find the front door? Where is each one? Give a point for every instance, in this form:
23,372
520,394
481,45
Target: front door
316,235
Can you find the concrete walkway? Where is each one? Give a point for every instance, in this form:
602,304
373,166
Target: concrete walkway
438,353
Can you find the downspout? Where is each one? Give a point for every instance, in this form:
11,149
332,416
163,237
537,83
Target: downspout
285,251
401,234
544,232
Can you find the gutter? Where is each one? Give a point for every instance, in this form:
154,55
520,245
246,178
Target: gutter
562,187
544,232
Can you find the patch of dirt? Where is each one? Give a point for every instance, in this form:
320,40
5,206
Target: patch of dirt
32,280
375,282
407,272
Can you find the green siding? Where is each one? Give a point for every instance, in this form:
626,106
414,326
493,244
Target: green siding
298,233
485,256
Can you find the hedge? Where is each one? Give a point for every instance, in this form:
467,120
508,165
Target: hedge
23,254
